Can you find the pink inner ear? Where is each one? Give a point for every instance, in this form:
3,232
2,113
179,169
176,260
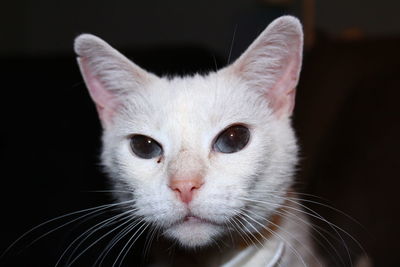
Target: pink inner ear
103,99
282,95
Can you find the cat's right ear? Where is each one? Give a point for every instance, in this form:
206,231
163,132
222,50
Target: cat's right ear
109,76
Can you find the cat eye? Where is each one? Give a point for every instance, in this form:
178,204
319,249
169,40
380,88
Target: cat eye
232,139
145,147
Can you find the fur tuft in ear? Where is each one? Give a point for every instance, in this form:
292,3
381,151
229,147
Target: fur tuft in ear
272,64
109,76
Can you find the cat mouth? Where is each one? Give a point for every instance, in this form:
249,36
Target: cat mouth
193,219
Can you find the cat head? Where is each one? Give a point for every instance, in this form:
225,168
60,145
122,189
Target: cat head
196,153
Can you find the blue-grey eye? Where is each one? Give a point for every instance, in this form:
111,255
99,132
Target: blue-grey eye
232,139
145,147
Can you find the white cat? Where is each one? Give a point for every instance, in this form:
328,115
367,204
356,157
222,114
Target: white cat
209,160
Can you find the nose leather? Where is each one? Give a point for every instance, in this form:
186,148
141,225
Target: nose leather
185,188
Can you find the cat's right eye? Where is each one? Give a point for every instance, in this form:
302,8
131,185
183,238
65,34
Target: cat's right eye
145,147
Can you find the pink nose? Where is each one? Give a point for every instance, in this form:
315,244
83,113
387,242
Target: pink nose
185,188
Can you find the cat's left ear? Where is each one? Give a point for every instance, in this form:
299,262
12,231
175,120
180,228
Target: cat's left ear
272,64
109,76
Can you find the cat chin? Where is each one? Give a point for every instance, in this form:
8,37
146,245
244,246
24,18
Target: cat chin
194,233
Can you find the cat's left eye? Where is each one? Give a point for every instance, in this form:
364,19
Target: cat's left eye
232,139
145,147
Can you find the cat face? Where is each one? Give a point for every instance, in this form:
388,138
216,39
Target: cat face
196,152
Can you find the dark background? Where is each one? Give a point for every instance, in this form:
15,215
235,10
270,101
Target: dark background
346,116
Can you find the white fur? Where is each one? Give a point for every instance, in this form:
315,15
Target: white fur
185,114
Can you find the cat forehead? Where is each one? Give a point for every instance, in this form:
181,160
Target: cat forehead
198,100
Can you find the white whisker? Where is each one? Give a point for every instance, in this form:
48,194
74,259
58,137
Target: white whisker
315,215
278,236
90,210
315,228
131,240
240,231
149,240
88,233
116,239
283,230
307,201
